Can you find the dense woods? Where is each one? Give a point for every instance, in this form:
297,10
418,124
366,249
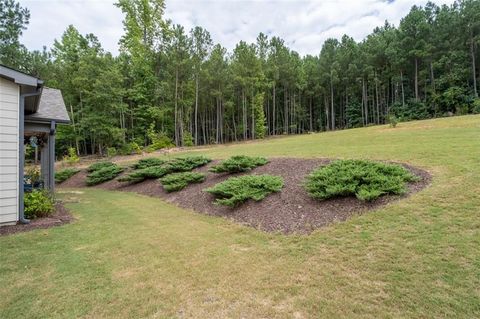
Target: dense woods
171,86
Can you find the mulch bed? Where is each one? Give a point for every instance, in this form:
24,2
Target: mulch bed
61,216
289,211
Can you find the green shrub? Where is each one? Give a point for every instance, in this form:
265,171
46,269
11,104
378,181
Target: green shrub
145,173
99,165
365,179
239,163
178,181
148,162
72,156
111,151
64,174
103,174
129,149
392,120
476,106
38,203
237,190
187,139
173,166
158,140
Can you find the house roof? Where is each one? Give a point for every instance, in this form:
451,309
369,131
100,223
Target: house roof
19,77
51,108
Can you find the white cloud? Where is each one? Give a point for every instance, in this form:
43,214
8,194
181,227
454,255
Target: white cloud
304,25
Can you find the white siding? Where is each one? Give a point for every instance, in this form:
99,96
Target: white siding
9,107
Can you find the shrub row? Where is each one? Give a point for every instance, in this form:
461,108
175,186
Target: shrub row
64,174
173,166
178,181
238,164
101,175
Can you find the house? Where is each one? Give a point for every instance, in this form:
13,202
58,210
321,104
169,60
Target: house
27,109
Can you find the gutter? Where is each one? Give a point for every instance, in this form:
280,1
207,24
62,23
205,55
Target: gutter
21,155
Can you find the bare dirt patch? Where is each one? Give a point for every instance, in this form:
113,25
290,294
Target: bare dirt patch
61,216
290,211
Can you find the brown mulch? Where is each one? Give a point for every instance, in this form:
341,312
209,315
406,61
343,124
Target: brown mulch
61,216
289,211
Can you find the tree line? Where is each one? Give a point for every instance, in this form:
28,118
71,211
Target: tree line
172,86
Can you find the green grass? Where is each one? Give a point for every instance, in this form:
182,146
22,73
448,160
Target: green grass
367,180
130,256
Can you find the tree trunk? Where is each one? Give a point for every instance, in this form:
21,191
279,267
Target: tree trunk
311,115
274,111
196,108
285,124
376,98
416,79
333,109
176,107
474,73
403,89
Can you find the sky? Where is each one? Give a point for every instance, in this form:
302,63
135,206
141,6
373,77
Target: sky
303,24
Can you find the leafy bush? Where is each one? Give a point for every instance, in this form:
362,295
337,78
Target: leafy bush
237,190
148,162
111,151
187,139
64,174
476,106
103,174
99,165
130,148
178,181
239,163
38,203
72,156
173,166
159,140
392,119
365,179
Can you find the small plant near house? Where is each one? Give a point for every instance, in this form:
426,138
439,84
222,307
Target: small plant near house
364,179
64,174
99,165
237,190
172,166
103,174
178,181
38,203
239,163
148,162
72,157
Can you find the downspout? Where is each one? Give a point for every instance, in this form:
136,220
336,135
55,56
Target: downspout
21,155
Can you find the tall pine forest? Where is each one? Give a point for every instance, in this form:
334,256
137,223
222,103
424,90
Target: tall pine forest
169,86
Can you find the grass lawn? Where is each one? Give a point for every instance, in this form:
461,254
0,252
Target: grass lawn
130,256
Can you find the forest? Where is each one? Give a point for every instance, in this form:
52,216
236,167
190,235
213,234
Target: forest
174,87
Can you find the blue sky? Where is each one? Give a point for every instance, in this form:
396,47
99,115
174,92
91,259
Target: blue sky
304,25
